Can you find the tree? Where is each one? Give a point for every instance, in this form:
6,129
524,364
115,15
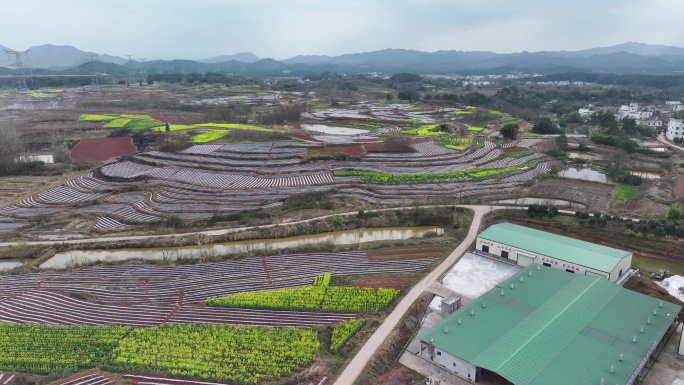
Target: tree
167,128
629,126
406,78
10,149
544,125
562,141
675,211
510,130
389,97
409,95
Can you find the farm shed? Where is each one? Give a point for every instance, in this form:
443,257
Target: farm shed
526,246
542,326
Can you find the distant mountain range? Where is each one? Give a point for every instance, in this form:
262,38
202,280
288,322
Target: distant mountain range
622,58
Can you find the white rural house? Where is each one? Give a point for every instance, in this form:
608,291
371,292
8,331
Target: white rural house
675,129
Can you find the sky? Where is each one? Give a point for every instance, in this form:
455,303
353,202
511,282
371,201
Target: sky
279,29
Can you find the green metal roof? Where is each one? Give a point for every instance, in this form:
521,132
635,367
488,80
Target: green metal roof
598,257
555,328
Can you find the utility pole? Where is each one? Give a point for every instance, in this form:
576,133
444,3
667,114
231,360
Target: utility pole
131,75
19,64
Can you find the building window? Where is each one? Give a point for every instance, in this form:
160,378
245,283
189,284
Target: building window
620,273
485,248
504,254
439,353
546,264
570,271
454,365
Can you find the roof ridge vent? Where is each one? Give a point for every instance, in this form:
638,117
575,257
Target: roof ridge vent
502,292
459,321
612,368
522,279
648,320
621,357
472,312
446,330
484,304
538,267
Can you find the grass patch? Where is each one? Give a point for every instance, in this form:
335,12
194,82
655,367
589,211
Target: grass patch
495,112
520,154
528,135
470,107
624,193
460,113
475,129
319,108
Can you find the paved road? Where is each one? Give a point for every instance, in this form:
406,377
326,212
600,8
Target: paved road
369,349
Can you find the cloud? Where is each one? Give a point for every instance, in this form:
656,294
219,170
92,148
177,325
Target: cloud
279,29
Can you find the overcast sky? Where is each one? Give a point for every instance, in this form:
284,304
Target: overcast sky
197,29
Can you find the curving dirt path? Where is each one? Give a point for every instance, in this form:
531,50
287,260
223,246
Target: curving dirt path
662,139
227,231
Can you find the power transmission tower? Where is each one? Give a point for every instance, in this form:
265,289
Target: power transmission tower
143,72
131,75
92,57
19,64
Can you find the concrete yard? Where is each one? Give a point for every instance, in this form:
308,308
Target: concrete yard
471,277
668,368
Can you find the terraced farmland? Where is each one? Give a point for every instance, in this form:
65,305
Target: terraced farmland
206,180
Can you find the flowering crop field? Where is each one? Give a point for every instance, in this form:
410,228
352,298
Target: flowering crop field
455,143
320,296
49,349
235,126
138,117
117,123
343,331
379,177
460,113
236,354
97,118
475,129
209,136
426,130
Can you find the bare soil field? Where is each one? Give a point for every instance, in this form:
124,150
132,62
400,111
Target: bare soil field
680,186
597,196
102,149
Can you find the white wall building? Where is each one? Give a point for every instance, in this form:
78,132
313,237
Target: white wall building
675,129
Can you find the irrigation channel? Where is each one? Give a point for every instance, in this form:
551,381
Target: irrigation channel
349,237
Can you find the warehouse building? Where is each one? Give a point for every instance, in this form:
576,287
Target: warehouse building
543,326
525,246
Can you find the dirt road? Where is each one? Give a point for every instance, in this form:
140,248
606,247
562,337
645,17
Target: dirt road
359,362
219,231
663,140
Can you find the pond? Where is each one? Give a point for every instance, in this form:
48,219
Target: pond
350,237
584,174
583,155
334,130
9,264
653,264
526,201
